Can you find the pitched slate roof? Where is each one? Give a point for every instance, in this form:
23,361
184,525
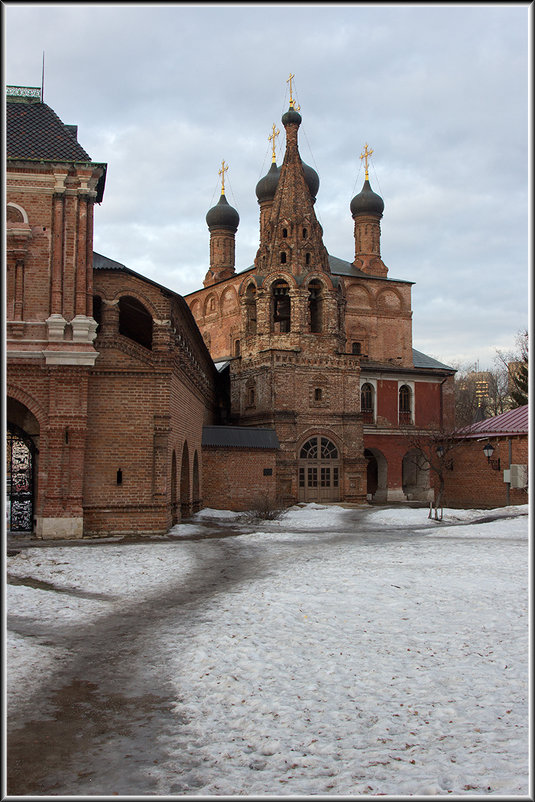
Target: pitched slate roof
516,421
239,437
339,267
34,131
423,361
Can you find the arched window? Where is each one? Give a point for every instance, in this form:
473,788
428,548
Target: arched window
356,348
305,233
318,394
315,304
250,305
366,403
405,413
237,348
285,232
135,322
281,306
283,258
97,311
307,258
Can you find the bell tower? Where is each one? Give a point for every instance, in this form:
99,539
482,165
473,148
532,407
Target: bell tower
292,373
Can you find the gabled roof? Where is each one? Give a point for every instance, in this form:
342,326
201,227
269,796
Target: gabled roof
239,437
34,131
516,421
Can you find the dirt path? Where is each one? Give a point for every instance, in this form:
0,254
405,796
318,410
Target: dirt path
98,721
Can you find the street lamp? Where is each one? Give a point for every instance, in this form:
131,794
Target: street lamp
488,450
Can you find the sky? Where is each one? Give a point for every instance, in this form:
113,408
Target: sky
164,93
330,652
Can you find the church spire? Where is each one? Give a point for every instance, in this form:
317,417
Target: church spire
367,209
291,238
222,221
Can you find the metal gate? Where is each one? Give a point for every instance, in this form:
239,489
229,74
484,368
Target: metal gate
20,455
319,471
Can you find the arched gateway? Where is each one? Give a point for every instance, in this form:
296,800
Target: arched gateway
20,480
319,470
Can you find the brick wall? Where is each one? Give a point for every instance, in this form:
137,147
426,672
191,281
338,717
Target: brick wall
236,479
474,484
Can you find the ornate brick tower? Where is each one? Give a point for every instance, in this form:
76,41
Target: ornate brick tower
292,372
367,209
222,221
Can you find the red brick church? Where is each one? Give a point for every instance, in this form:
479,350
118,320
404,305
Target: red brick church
130,406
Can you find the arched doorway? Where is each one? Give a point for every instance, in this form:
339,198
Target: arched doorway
185,499
174,503
376,475
415,476
196,484
319,470
20,465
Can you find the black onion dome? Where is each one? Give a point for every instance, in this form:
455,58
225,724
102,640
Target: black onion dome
222,215
291,116
312,179
266,187
367,202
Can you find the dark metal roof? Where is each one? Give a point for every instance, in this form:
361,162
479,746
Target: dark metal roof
239,437
516,421
34,131
339,267
423,361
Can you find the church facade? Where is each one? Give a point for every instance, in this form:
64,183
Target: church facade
130,406
320,349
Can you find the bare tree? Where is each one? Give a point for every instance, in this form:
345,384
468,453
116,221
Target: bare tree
433,451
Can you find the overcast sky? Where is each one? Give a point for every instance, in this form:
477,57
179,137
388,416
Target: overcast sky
164,93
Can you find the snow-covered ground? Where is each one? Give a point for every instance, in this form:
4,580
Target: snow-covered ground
354,653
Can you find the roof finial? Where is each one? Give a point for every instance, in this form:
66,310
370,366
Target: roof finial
271,139
222,172
365,157
292,101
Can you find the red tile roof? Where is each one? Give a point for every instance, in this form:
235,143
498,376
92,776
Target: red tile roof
516,421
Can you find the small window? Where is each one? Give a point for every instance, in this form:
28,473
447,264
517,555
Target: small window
307,259
237,348
283,258
284,232
305,233
251,397
356,348
318,393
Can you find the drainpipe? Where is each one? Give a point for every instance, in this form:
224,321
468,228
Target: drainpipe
508,484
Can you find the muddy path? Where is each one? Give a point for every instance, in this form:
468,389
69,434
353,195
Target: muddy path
98,720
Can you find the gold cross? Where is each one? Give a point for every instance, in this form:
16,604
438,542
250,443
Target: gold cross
271,139
222,174
292,101
365,157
